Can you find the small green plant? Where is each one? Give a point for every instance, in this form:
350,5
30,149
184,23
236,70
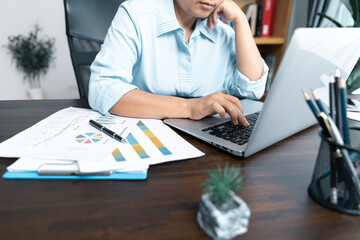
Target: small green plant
354,8
31,54
220,182
353,81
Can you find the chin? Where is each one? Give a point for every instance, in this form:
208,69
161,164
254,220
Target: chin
202,14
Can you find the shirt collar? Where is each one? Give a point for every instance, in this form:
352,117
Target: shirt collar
200,27
167,20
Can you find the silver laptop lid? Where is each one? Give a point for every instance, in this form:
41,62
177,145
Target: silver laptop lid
312,55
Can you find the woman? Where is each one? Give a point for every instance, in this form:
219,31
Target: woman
172,58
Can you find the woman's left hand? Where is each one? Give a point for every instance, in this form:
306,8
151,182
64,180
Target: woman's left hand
227,10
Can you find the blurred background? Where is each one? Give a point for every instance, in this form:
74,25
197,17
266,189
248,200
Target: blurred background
20,17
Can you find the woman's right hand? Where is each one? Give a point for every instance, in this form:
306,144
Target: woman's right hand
217,103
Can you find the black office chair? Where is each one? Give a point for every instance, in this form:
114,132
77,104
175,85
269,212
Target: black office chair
87,22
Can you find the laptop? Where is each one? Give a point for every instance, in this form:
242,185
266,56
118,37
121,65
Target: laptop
311,56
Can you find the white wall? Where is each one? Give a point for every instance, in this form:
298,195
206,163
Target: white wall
19,17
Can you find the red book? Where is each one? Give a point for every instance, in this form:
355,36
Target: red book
268,18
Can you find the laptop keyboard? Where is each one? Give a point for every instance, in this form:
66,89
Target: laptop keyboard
237,134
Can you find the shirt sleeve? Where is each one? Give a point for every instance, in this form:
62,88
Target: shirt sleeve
241,86
111,71
237,84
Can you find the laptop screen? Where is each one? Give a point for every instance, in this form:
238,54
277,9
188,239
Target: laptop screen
312,55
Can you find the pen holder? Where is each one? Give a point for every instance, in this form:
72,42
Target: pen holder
332,185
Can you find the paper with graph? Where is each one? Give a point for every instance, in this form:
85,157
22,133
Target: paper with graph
156,142
67,135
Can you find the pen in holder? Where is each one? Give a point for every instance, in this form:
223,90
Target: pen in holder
335,180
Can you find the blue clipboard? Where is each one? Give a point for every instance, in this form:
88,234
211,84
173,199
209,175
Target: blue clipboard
113,176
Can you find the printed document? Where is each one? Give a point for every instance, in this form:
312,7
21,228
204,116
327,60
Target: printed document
67,135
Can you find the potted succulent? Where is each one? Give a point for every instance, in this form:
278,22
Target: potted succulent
353,81
222,213
32,56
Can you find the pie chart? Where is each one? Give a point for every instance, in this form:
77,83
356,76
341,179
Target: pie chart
89,138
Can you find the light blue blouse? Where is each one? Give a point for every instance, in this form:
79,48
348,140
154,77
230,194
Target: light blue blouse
145,49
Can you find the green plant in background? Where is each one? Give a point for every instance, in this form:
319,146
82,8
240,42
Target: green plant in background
220,182
353,82
32,55
354,8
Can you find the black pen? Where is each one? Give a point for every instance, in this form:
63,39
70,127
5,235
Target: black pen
333,164
332,96
338,118
342,88
106,131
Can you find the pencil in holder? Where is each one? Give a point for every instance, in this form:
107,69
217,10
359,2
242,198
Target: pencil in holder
335,182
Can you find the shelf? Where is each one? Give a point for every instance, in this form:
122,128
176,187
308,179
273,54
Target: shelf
269,41
275,45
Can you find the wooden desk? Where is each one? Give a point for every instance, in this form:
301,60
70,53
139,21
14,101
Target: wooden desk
165,205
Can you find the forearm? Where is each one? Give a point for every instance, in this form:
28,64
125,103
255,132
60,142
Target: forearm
140,104
248,58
